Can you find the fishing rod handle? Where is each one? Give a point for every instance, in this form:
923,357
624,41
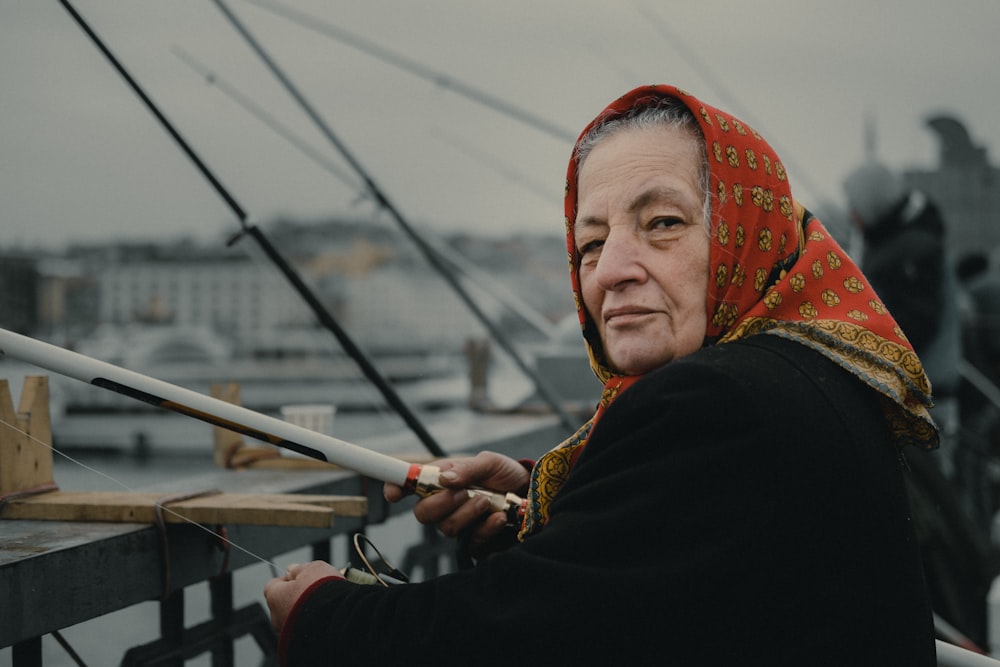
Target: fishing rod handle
424,480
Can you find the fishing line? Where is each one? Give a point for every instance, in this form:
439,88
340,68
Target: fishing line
455,260
466,90
319,310
213,79
544,388
163,508
392,576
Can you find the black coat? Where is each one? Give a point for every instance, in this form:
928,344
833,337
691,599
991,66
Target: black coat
740,506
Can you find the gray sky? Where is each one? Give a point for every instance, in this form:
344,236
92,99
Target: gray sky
82,159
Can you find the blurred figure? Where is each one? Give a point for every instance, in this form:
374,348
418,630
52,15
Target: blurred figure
904,258
477,356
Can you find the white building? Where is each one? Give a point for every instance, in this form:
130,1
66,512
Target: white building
235,297
384,307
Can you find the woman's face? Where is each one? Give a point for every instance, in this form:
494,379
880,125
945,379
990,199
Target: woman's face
644,247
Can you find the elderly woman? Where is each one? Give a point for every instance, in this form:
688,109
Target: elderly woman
737,498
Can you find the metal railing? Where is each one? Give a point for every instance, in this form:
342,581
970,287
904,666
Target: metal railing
949,655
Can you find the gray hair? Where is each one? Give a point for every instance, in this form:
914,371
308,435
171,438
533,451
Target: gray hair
651,113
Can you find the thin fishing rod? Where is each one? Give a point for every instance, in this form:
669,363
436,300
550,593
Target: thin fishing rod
508,299
509,172
321,313
230,91
359,357
455,260
409,65
168,126
547,393
412,477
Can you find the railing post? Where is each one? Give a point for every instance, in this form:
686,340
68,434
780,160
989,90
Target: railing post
27,653
172,623
221,590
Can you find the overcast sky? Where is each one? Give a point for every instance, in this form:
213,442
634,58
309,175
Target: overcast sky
82,160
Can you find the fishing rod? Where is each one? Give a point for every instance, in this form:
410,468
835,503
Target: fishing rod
543,387
255,110
408,64
507,171
412,477
510,300
454,259
321,313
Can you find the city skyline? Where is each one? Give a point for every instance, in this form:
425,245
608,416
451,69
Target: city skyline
83,160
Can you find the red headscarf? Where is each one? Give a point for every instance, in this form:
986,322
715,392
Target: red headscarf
774,269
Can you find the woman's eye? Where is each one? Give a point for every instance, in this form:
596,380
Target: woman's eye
665,222
590,246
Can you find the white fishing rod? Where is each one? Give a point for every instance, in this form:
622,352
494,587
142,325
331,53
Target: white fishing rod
412,477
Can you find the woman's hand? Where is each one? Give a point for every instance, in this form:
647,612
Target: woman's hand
282,593
452,510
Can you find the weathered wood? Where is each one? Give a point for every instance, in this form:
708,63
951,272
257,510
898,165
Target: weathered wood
57,574
307,511
25,438
54,574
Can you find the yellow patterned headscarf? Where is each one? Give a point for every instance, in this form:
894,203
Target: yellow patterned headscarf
774,269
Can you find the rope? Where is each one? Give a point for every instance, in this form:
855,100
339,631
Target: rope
161,525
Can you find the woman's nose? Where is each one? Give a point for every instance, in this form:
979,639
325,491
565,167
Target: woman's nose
619,262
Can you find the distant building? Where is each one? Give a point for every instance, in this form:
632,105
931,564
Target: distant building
374,282
19,293
965,186
384,300
67,300
405,309
235,297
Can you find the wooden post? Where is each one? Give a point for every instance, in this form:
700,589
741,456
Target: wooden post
233,452
477,354
28,491
226,442
26,438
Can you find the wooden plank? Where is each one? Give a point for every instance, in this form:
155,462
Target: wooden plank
308,511
122,560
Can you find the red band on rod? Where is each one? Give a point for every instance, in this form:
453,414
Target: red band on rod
410,484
